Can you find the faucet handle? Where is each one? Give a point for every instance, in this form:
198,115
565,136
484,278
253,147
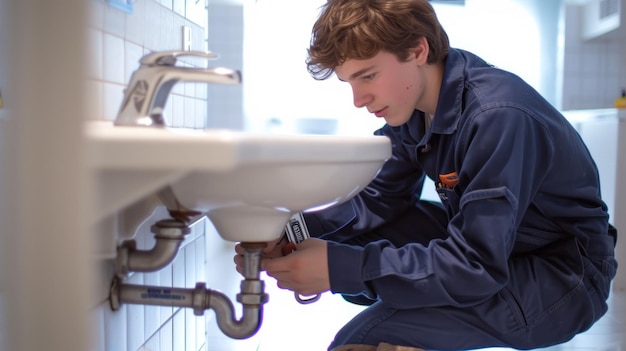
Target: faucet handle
168,58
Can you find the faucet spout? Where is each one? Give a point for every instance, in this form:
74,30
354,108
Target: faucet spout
151,84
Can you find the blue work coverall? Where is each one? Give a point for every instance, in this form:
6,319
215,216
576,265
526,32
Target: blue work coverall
519,253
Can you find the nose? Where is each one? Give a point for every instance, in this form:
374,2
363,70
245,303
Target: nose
361,98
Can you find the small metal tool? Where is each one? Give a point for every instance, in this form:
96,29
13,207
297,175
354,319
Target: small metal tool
296,233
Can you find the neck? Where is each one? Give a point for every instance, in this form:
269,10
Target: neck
433,77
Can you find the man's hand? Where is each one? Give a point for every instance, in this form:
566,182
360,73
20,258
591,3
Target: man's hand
305,271
272,250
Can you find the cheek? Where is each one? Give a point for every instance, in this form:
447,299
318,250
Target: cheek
413,89
405,82
408,92
399,89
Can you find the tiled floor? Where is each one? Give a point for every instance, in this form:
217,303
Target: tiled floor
289,326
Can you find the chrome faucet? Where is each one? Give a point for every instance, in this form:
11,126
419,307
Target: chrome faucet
151,84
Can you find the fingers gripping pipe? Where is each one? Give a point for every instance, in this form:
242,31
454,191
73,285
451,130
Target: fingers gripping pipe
252,297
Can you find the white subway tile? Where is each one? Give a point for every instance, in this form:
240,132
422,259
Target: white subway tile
178,331
112,100
153,343
190,329
135,318
201,330
113,61
201,91
152,20
166,336
114,20
190,108
201,113
133,54
98,324
167,31
615,62
200,247
167,3
190,89
178,271
190,265
179,7
136,23
179,88
168,112
116,329
178,110
572,66
194,11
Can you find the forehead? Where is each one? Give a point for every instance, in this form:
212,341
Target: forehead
353,68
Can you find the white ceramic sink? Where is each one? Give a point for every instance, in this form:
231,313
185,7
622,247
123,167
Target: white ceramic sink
248,184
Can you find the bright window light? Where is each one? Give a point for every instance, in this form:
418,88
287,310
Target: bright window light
278,90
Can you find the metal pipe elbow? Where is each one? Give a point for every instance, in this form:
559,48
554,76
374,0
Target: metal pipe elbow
162,254
247,326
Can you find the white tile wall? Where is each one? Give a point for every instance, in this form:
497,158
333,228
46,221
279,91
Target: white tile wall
167,3
179,7
113,61
594,71
156,328
116,42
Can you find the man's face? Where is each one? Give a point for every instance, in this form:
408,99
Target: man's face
387,87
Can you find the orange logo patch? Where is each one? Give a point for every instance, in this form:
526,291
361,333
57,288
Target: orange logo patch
449,180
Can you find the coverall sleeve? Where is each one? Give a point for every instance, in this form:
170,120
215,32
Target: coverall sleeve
396,187
503,155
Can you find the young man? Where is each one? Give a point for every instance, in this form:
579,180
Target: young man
518,254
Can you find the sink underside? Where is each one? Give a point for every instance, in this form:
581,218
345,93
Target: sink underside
254,202
248,184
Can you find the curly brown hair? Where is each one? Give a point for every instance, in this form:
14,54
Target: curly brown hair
359,29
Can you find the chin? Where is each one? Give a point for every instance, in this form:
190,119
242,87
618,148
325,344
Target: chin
394,123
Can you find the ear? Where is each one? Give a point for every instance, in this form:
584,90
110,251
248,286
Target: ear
420,51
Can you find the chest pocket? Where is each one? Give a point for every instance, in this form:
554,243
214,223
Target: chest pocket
448,196
450,200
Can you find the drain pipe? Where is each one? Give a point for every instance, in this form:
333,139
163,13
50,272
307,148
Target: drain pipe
169,235
252,297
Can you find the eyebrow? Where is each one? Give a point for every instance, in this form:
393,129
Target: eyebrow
358,73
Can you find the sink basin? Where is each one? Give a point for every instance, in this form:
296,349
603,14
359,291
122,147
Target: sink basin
248,184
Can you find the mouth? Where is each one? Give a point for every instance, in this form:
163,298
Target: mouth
381,112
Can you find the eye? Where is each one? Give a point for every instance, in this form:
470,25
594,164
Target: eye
370,76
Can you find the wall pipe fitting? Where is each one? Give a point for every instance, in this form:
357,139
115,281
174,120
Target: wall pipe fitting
252,297
169,235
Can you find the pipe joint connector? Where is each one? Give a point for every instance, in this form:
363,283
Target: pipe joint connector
252,293
200,299
170,229
169,235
